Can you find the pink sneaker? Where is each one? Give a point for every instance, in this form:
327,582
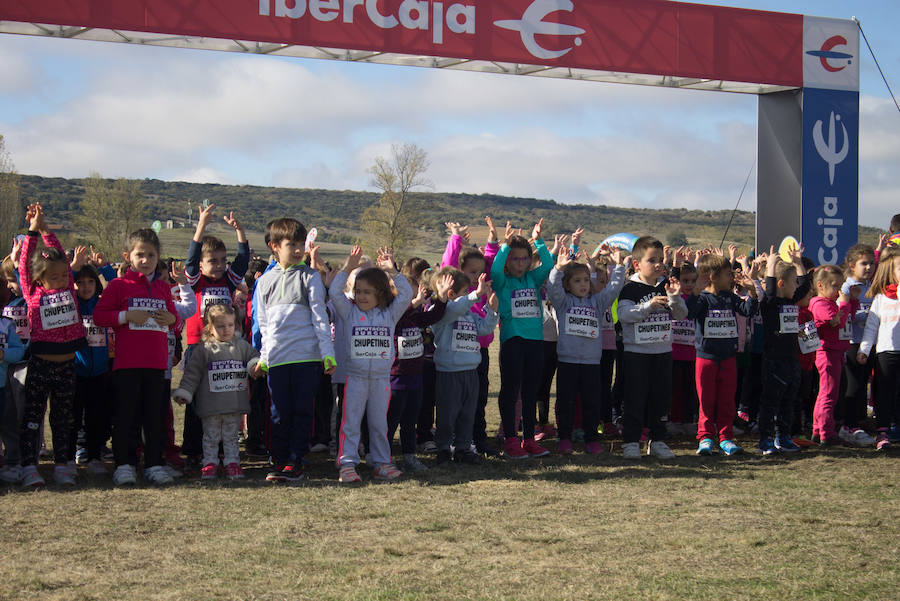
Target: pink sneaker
512,448
534,449
593,448
882,442
645,435
610,430
209,471
234,471
565,447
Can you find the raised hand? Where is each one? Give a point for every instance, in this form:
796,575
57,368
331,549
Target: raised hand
79,257
204,216
443,285
484,286
97,259
35,216
510,232
386,258
562,259
492,231
315,261
576,236
536,230
353,258
673,286
176,272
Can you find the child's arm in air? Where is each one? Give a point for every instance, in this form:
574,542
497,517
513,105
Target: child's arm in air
238,267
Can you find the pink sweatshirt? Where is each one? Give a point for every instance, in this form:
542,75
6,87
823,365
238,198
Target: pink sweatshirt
137,347
823,310
451,259
56,327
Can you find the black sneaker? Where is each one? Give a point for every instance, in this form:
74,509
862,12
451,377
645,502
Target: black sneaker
487,450
468,457
292,472
443,457
277,474
192,463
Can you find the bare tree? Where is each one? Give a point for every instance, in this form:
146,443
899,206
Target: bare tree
395,219
109,213
11,208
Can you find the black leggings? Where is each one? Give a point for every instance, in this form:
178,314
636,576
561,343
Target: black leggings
574,380
887,398
851,409
56,380
549,368
139,395
521,362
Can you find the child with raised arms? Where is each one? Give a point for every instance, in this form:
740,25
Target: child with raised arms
139,308
714,311
647,304
579,348
215,378
831,310
517,286
56,334
457,354
883,332
295,333
786,285
367,349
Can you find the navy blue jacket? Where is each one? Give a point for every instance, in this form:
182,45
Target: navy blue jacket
713,315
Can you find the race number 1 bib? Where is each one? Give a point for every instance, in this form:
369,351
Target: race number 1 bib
149,305
229,375
465,337
215,295
20,316
808,337
582,321
720,324
58,310
370,342
410,344
788,319
525,304
683,332
656,328
96,336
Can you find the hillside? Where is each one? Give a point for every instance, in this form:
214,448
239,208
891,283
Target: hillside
336,212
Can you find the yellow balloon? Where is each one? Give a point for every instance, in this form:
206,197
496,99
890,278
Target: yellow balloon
787,245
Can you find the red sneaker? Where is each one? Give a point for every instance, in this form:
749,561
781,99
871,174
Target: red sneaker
173,458
565,447
512,448
534,449
234,471
593,448
209,471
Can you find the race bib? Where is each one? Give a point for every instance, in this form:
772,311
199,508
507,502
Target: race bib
410,344
214,295
58,310
228,375
683,332
582,321
149,305
20,316
846,331
788,319
864,307
720,324
370,342
525,304
656,328
171,337
808,337
606,324
465,337
96,336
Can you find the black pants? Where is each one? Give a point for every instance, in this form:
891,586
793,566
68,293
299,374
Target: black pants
138,395
781,382
54,380
403,412
618,387
751,388
479,426
521,361
549,368
574,380
685,404
607,363
92,402
322,412
258,418
192,434
805,400
887,398
851,409
648,392
426,410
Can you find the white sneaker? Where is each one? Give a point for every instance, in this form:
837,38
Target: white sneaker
81,456
860,438
631,450
157,475
319,447
95,467
11,474
62,474
72,468
173,472
660,450
31,478
124,475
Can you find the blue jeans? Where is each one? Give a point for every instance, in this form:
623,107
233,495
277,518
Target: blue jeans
293,389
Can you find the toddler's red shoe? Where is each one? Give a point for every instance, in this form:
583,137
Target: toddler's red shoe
534,449
565,447
512,448
209,471
593,448
234,471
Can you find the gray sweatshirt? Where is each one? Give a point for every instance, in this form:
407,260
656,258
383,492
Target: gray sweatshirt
216,377
646,330
456,346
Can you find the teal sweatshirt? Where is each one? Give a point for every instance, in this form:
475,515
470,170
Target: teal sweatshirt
520,298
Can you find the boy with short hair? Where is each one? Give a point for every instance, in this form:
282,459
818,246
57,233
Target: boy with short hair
296,345
648,303
716,340
213,282
786,284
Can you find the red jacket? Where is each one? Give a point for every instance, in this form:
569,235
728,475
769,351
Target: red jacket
144,346
55,321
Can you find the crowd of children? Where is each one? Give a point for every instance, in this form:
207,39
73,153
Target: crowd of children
298,357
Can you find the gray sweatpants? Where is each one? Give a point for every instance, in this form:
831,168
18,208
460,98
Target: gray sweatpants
455,400
14,413
371,396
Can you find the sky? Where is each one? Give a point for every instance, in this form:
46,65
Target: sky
71,107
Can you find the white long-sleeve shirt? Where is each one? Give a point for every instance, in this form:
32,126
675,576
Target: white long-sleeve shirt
882,326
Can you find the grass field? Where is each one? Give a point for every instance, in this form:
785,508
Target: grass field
823,525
